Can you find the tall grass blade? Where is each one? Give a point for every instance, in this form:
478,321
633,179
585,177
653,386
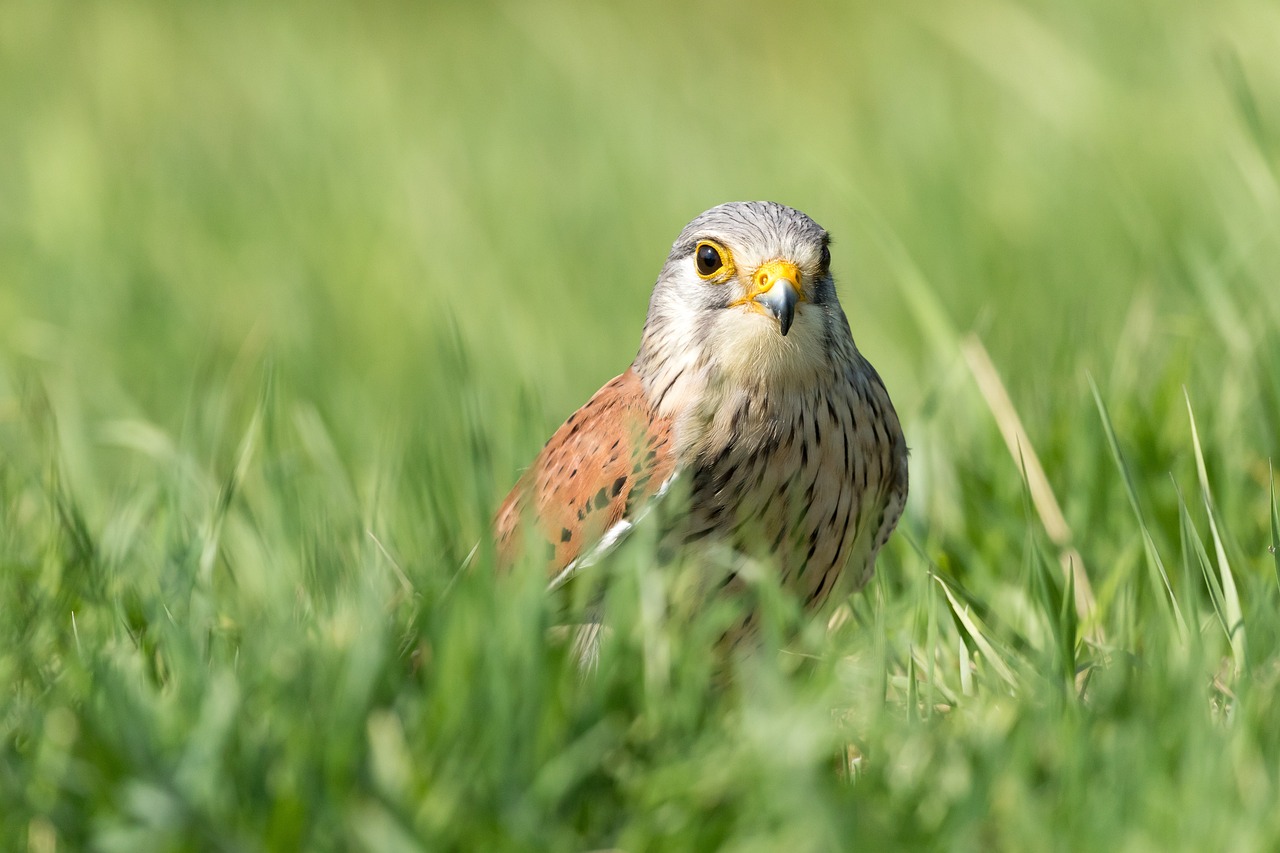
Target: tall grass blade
1154,563
971,627
1275,525
1035,481
1231,610
1193,548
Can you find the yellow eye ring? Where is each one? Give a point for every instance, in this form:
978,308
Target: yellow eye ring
712,261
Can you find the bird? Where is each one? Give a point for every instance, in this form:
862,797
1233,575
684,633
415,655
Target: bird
749,393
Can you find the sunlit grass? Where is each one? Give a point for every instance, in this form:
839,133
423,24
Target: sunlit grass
288,296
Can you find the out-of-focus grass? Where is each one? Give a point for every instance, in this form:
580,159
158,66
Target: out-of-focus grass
289,293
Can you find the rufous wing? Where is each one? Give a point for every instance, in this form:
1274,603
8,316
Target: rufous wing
599,468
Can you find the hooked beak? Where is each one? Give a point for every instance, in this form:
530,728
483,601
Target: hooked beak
775,289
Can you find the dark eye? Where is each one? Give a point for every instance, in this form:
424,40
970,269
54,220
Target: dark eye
709,258
825,259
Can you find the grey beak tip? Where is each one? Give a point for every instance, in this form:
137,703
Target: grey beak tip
780,300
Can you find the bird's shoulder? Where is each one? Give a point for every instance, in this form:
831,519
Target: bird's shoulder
603,463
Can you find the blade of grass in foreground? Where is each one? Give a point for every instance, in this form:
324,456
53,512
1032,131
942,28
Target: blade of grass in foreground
970,625
1193,546
1154,563
1232,612
1059,611
1036,482
1275,526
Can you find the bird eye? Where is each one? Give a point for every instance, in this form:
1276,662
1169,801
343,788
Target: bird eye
709,259
825,259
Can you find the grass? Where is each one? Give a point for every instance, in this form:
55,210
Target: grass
289,294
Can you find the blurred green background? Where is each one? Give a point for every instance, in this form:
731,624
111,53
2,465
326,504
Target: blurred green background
290,292
344,186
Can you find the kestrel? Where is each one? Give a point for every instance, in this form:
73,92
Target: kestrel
748,388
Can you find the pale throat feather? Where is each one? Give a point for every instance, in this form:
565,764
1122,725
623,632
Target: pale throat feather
704,375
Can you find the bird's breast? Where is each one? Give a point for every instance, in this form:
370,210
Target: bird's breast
795,477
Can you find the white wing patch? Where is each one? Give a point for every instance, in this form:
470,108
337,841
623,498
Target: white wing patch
610,539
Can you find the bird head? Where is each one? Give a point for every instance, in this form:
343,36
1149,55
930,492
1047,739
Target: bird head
746,289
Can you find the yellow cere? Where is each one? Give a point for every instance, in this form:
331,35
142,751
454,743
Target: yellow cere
768,274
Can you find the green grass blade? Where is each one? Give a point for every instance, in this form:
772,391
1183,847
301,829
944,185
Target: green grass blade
975,632
1154,563
1275,525
1193,548
1231,610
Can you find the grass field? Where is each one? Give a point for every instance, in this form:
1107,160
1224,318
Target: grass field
289,293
